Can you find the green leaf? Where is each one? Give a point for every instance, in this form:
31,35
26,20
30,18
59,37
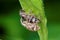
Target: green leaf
36,6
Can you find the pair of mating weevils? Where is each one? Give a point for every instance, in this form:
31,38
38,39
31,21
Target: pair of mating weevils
29,21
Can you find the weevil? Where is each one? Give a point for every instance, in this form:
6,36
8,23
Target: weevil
29,21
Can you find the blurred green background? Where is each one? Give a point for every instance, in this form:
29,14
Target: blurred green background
11,29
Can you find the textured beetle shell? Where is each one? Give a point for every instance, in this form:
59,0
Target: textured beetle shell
30,26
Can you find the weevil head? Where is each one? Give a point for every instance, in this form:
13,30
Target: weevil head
23,14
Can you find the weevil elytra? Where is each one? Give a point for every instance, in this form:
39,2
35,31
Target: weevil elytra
29,21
